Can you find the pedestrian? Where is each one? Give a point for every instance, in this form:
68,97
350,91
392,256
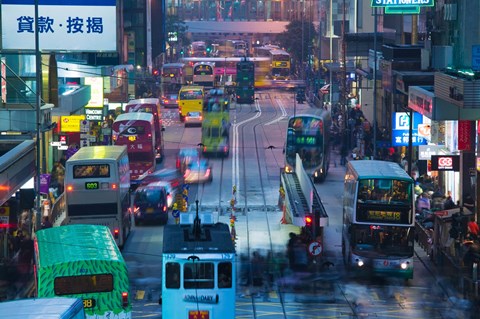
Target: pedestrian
473,228
257,263
343,154
468,202
423,202
46,222
290,244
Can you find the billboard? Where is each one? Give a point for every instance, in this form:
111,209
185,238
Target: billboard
401,126
64,25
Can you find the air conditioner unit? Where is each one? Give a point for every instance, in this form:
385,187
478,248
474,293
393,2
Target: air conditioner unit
442,57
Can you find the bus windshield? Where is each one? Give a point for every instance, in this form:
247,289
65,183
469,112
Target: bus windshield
191,95
378,241
384,191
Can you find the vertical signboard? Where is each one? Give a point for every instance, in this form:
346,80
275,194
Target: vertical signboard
464,135
3,72
63,25
96,89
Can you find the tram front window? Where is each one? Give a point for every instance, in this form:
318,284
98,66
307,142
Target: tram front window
172,275
225,275
198,275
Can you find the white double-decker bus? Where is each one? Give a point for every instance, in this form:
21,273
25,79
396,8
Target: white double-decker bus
97,183
378,219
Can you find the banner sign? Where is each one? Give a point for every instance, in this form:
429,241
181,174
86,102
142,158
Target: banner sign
64,25
464,135
400,129
44,183
446,163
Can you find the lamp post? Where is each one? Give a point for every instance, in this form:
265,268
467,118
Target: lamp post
38,88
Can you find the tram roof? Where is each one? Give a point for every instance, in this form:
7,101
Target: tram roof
215,238
365,169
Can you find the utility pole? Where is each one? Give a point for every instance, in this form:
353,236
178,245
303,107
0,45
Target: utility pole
343,65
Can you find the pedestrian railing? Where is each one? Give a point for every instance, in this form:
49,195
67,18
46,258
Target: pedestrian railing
424,238
58,208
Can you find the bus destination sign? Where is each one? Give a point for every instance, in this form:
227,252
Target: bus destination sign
92,185
377,215
402,3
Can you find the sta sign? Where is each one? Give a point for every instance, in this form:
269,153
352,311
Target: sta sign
402,3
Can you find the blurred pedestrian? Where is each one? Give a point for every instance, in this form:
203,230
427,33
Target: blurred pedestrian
290,244
46,222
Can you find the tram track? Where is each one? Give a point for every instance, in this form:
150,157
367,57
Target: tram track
258,129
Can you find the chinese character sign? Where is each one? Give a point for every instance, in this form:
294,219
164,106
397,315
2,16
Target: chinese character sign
401,126
73,25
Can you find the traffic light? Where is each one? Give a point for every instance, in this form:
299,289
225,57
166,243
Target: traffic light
156,72
308,221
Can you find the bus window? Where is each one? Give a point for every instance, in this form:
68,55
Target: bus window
172,275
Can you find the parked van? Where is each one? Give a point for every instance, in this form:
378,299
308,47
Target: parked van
152,202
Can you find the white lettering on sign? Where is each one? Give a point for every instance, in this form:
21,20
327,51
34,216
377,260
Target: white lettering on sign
201,298
402,2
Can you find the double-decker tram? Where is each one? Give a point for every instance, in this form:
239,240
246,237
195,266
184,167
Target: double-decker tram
280,60
198,277
83,261
97,184
378,219
227,66
308,135
216,124
204,74
137,132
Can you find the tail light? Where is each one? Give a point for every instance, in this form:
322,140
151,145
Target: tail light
207,173
114,186
69,188
204,149
164,208
116,232
124,299
150,135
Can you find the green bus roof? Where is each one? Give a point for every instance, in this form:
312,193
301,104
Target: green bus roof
366,169
72,243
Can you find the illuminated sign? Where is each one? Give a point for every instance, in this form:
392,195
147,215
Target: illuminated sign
92,185
377,215
94,114
96,91
400,129
446,163
306,140
280,64
64,25
71,123
402,3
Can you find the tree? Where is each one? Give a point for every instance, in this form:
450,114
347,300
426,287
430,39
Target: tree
292,42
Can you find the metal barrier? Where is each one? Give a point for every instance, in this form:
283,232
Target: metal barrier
424,238
58,208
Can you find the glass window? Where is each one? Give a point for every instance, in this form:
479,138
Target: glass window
172,275
93,170
225,275
198,275
385,191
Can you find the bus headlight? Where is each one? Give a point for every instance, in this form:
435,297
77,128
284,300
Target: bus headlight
404,265
359,262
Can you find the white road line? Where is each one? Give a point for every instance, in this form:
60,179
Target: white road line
281,117
235,155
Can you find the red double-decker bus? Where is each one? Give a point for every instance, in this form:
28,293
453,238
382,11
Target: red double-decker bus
152,106
137,131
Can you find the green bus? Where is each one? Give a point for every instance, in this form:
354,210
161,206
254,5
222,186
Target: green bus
83,261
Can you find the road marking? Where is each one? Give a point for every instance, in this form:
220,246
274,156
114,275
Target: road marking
235,156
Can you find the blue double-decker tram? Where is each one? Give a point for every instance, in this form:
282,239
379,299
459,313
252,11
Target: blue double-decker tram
198,278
